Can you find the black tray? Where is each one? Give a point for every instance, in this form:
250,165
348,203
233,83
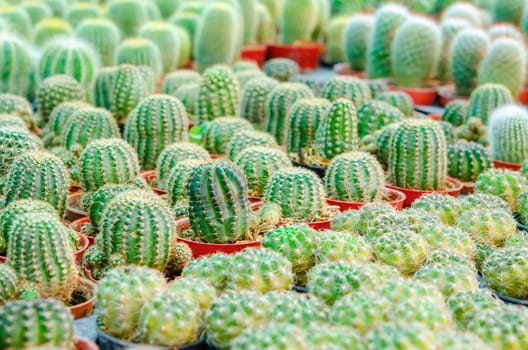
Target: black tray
319,171
300,289
520,225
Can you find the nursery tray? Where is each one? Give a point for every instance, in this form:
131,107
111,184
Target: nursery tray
520,226
511,300
300,289
319,171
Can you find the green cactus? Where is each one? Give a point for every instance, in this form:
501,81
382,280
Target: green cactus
139,52
101,93
374,115
487,226
9,284
178,180
504,271
450,279
423,142
298,21
107,161
356,38
244,77
272,336
248,138
354,89
71,57
507,126
467,160
76,13
16,65
17,20
449,240
127,91
180,256
128,15
447,208
58,7
468,49
355,176
281,69
213,46
296,309
467,305
195,288
266,30
421,312
210,269
221,214
505,184
121,294
398,99
338,247
415,52
398,335
37,175
505,64
51,28
15,142
388,19
36,323
46,256
219,94
253,100
466,11
304,117
55,90
449,27
57,119
455,112
102,34
188,94
245,65
9,120
175,80
18,106
508,11
504,30
398,290
36,9
217,134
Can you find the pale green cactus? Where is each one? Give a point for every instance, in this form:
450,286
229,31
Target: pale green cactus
507,127
218,95
102,34
354,89
356,38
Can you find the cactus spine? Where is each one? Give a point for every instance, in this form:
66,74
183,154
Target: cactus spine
102,34
374,115
304,118
16,66
485,99
467,160
55,90
351,88
128,90
18,106
15,142
508,128
253,100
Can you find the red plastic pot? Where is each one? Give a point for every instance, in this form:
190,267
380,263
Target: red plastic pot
499,164
420,96
84,309
435,117
306,55
217,156
77,226
257,53
149,176
73,204
412,195
523,97
344,69
84,344
467,188
397,199
321,225
74,188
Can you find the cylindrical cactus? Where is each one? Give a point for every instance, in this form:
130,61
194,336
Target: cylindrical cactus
388,18
467,160
213,46
177,180
219,94
299,193
354,89
253,100
466,11
398,99
129,15
266,28
418,142
139,52
219,209
298,20
455,112
158,121
415,52
248,138
18,106
338,131
374,115
102,34
449,27
55,90
41,251
16,66
505,63
128,90
508,11
174,80
50,28
101,94
36,9
468,49
76,13
72,57
356,38
278,104
36,323
57,120
508,126
18,20
505,184
219,132
259,164
282,69
505,30
304,117
355,176
15,142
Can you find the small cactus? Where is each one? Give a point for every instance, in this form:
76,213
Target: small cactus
281,69
178,180
14,142
253,100
50,28
374,115
304,118
504,271
338,247
179,258
297,21
139,52
9,284
102,34
166,38
455,112
449,27
248,138
18,106
487,226
450,279
354,89
507,126
176,79
210,269
57,120
356,38
55,90
398,99
16,66
127,91
128,15
467,305
397,335
467,160
505,184
217,134
486,99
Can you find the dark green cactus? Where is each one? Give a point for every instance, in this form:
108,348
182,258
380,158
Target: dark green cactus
16,66
253,100
354,89
128,90
455,112
14,142
217,133
178,180
55,90
467,160
374,115
219,209
508,127
249,138
485,99
304,118
19,106
398,99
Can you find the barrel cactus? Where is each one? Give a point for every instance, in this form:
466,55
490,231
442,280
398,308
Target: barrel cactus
14,142
486,201
139,52
50,28
177,183
447,241
304,118
508,11
455,112
450,279
178,78
9,284
466,305
127,91
374,115
253,100
217,134
297,21
487,226
356,38
503,272
16,65
449,27
467,160
507,127
166,38
57,120
248,138
36,10
354,89
102,34
398,99
281,69
505,184
17,20
271,336
335,246
55,90
128,15
18,106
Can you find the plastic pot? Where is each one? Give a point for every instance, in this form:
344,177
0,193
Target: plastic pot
84,344
523,97
257,53
321,225
420,96
73,205
344,69
306,55
499,164
396,200
84,309
435,117
467,188
447,93
77,226
217,156
412,195
255,200
85,243
149,176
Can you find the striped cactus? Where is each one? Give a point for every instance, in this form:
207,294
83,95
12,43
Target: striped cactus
102,34
50,28
13,143
467,160
16,65
55,90
101,94
248,138
128,90
177,182
282,69
9,284
508,128
304,118
354,89
218,133
398,99
374,115
253,100
356,38
485,99
455,112
449,27
174,80
57,120
128,15
139,52
18,106
80,11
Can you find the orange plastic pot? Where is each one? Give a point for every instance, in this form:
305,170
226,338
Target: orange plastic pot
84,344
505,165
73,204
420,96
306,55
412,195
84,309
77,226
396,200
523,97
435,117
149,176
344,69
257,53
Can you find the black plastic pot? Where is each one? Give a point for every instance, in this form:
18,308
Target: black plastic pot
511,300
319,171
520,225
107,342
300,289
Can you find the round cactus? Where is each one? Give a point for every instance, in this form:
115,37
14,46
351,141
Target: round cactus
129,15
11,121
245,76
121,294
14,142
176,79
507,126
467,160
434,316
449,27
188,94
505,184
281,69
18,106
218,133
450,279
57,120
20,319
447,239
444,206
102,34
211,269
354,89
101,94
253,100
50,28
9,284
466,305
297,21
180,256
166,38
249,138
487,226
338,247
455,112
128,90
394,335
194,288
17,20
304,118
76,13
55,90
398,99
36,9
347,222
272,336
356,36
178,179
374,115
504,271
139,52
486,99
16,65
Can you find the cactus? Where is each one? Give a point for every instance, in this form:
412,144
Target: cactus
128,15
17,20
447,208
338,247
351,88
422,312
14,142
342,185
219,94
253,100
299,193
217,134
260,270
128,90
281,69
36,10
468,49
450,279
101,94
178,180
355,41
259,164
415,52
398,99
467,160
210,269
474,130
444,240
88,124
37,175
107,161
387,20
466,305
298,21
466,11
248,138
296,309
347,222
504,30
487,226
507,126
188,95
221,216
76,13
508,11
71,57
9,284
55,90
35,324
18,106
121,294
51,28
57,120
505,184
195,288
185,46
12,121
139,52
245,76
46,256
102,34
174,80
397,335
505,64
304,117
449,27
16,66
374,115
180,256
272,336
503,271
455,112
213,46
266,30
423,142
